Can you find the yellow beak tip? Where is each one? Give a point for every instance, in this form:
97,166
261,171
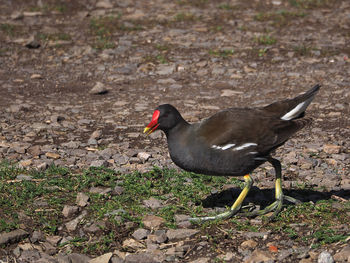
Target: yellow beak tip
146,130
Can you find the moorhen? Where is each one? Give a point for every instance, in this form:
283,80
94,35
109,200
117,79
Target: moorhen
234,142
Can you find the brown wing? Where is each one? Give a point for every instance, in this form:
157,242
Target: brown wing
239,126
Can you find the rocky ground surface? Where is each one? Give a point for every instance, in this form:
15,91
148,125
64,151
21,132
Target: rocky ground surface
80,79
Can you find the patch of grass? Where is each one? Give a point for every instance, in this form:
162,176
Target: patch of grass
8,29
303,50
262,52
222,53
225,6
55,37
184,17
279,18
38,204
196,3
217,28
265,40
320,222
309,4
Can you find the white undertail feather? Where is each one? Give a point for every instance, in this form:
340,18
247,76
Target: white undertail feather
297,110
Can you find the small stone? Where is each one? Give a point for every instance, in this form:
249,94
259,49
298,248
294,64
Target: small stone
42,166
133,244
13,236
96,134
104,4
152,203
179,218
343,255
52,155
331,148
95,227
99,163
230,93
37,236
290,158
24,177
153,222
25,163
98,89
165,69
53,240
34,150
102,259
82,199
100,190
161,236
249,244
118,190
174,234
143,156
140,234
49,249
201,260
72,225
260,256
120,159
92,141
144,257
69,210
325,257
78,258
36,76
16,15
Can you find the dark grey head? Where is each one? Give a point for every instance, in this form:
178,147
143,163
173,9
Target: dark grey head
165,117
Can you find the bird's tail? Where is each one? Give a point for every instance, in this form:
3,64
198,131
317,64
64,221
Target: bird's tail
293,108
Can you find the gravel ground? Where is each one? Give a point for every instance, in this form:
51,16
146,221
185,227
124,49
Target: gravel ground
80,79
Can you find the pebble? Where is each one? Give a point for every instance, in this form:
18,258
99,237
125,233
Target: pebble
132,244
69,210
140,234
343,255
249,244
174,234
99,89
325,257
143,156
152,203
331,148
24,177
102,259
82,199
153,222
13,236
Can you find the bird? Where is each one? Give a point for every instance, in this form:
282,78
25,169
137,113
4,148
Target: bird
234,142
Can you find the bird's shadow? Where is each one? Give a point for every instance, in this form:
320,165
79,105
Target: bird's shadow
264,197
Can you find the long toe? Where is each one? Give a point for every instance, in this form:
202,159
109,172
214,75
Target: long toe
221,216
276,207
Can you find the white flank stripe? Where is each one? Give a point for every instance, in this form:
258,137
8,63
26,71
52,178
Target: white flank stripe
253,152
295,112
227,146
243,146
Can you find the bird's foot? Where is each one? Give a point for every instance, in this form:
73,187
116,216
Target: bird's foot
228,214
276,207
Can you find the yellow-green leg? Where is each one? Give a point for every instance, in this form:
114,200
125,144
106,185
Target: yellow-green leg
280,197
235,207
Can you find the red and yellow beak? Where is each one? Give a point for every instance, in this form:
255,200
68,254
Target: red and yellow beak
153,125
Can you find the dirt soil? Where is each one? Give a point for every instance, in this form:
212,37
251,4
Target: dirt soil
201,56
